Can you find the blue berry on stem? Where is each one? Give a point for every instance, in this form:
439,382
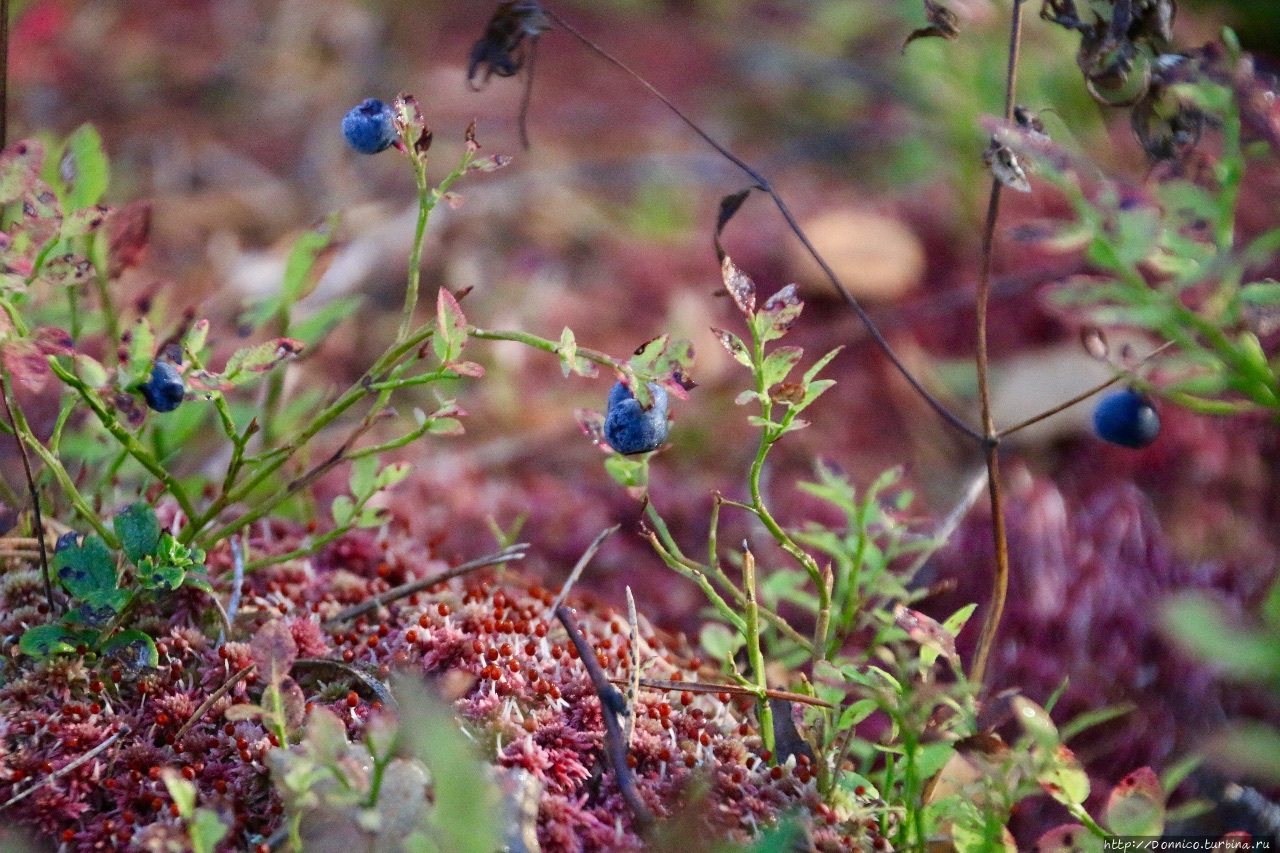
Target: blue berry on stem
1126,418
628,427
164,390
370,127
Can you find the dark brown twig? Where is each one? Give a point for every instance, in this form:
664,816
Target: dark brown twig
222,690
512,552
990,437
612,704
5,386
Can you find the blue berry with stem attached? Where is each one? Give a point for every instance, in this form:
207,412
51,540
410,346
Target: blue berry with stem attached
164,391
1126,418
370,127
628,427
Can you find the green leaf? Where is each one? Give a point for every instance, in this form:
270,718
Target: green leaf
86,569
372,516
465,800
779,364
134,648
84,166
720,641
364,477
779,314
182,791
42,641
343,510
160,575
857,712
90,371
244,363
1136,805
1064,779
1202,626
734,345
628,471
451,327
206,829
142,352
299,279
392,474
312,328
196,337
138,530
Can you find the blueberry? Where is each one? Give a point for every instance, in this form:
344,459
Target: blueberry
370,127
164,390
1126,418
631,429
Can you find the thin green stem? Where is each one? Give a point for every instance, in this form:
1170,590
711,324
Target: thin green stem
126,439
754,652
425,204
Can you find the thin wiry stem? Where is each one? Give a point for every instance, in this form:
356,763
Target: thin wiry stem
763,184
991,438
38,519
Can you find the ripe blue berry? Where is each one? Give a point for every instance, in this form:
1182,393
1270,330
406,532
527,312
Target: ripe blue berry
631,429
370,127
1126,418
164,390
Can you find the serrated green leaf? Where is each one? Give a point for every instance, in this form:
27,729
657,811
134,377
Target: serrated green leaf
85,167
83,221
451,327
245,363
446,426
86,569
343,510
821,363
855,713
778,364
138,530
628,471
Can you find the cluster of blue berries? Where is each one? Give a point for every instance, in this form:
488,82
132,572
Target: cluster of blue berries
370,127
630,428
1126,418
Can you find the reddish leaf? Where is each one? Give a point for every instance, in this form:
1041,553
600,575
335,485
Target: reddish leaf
128,232
20,170
274,651
780,313
926,632
734,345
25,363
740,287
591,423
51,340
788,393
1136,805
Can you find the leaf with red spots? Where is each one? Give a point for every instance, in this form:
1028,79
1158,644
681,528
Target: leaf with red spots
740,286
1068,838
780,313
1136,805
